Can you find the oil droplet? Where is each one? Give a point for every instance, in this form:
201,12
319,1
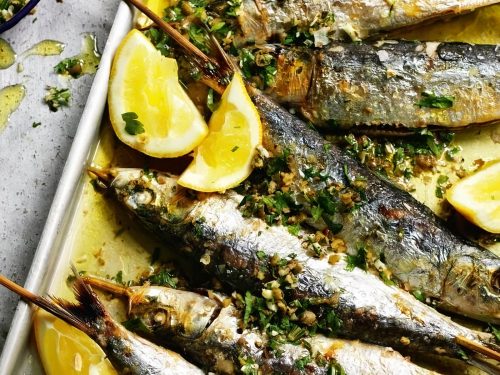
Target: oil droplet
10,99
7,54
86,62
46,47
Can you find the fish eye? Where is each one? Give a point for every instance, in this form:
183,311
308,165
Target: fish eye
160,318
143,197
495,281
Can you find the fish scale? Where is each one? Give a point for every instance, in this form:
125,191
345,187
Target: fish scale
261,20
231,247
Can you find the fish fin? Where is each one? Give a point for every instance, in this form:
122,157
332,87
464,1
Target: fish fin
81,315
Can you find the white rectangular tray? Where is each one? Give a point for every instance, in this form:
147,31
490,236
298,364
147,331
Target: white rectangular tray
17,356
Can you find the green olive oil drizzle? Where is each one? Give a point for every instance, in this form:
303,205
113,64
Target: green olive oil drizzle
7,54
46,47
10,99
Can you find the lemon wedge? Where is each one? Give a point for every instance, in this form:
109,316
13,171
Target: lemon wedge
148,108
157,6
477,197
66,350
224,159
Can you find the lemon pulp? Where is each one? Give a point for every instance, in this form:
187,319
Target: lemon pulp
477,197
145,83
224,158
65,350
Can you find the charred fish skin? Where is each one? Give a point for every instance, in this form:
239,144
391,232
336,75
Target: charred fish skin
388,83
260,21
238,251
417,246
211,334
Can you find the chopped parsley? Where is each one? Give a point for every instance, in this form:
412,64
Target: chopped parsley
440,186
57,98
163,278
160,40
430,100
300,364
259,66
357,260
496,332
132,125
235,148
70,66
418,294
36,124
199,37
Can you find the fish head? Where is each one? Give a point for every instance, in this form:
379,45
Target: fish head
153,196
473,284
176,313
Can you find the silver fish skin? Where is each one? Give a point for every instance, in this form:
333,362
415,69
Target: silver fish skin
417,246
347,85
402,233
210,333
127,352
262,20
213,231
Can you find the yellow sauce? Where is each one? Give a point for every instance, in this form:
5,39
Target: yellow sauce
89,56
10,99
481,26
45,48
7,54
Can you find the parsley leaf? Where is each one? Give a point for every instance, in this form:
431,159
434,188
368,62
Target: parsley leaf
57,98
70,66
430,100
358,260
132,125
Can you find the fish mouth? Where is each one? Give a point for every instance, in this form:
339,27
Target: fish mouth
495,282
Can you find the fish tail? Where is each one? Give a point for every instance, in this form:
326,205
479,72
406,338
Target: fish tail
215,73
82,315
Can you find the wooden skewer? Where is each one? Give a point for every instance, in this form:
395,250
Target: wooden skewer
24,293
107,286
477,347
174,34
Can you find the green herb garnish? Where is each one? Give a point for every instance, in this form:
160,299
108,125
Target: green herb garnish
163,278
36,124
430,100
358,260
57,98
300,364
71,66
132,125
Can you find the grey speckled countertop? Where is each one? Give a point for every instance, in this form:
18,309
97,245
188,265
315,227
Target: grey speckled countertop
32,159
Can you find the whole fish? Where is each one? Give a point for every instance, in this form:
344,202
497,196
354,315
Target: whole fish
127,352
262,20
407,84
247,254
210,332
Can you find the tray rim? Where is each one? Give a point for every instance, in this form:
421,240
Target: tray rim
15,349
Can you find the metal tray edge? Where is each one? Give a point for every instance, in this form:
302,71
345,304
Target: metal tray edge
86,135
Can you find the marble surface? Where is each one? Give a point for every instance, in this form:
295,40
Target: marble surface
32,159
